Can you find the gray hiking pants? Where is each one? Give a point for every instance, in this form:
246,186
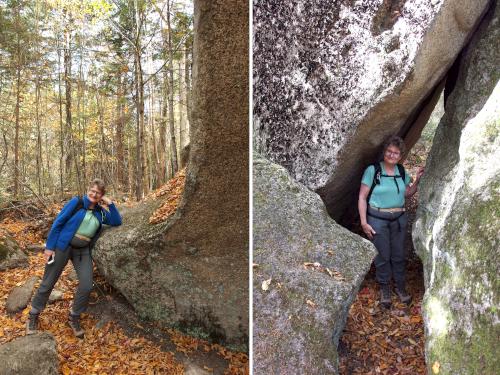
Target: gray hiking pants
389,240
80,257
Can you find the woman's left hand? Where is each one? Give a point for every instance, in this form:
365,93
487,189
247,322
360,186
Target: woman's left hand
107,201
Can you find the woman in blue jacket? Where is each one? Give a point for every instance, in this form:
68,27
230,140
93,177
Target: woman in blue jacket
72,236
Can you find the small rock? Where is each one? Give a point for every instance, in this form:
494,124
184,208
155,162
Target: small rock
72,275
35,248
33,354
11,255
55,295
193,369
20,296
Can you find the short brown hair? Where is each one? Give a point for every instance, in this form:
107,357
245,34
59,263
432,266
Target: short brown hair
396,141
100,185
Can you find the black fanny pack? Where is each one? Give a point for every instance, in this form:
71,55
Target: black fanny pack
79,243
390,219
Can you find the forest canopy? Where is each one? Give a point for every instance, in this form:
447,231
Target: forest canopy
93,88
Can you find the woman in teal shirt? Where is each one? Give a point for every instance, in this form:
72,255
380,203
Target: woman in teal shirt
383,217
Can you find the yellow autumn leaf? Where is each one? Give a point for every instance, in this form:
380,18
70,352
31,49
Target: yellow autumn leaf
266,283
435,367
310,303
65,369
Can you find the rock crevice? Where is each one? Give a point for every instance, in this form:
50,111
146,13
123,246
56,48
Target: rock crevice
456,232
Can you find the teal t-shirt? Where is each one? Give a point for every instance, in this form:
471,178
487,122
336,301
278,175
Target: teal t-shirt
89,225
386,194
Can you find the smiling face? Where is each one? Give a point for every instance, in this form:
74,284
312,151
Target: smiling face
94,194
392,155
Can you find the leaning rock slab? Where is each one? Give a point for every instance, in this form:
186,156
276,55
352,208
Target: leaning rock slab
192,270
28,355
11,255
458,220
299,312
20,296
332,79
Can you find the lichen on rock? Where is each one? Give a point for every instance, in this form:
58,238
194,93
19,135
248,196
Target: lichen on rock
332,79
299,309
457,229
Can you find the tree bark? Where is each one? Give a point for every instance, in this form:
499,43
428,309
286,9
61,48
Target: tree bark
171,92
119,131
61,126
139,101
16,109
16,136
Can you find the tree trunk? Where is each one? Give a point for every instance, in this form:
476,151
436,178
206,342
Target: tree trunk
182,110
61,127
67,103
16,110
155,165
139,101
119,131
171,92
163,133
187,80
16,137
206,239
39,166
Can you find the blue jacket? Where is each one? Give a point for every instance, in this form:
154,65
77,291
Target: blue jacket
65,226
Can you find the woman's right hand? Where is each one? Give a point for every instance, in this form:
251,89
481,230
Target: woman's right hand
368,230
47,253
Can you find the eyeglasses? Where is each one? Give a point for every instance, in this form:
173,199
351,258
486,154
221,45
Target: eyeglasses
96,192
393,153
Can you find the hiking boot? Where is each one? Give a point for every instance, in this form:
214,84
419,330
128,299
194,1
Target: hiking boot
403,295
385,295
74,323
32,324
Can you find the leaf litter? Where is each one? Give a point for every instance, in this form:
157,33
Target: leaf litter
105,350
173,189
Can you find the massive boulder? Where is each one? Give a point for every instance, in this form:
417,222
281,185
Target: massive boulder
192,270
332,79
307,273
458,220
28,355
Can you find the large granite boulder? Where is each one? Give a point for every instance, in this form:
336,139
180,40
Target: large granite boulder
11,255
308,271
28,355
332,79
458,220
192,270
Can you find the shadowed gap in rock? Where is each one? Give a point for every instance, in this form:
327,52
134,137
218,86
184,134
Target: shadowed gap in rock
375,337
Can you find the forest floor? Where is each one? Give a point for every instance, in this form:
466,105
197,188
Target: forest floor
384,341
116,340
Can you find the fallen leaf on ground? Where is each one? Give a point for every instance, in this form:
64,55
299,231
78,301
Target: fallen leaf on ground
266,283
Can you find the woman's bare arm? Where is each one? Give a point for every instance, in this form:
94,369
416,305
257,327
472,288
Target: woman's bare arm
364,190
